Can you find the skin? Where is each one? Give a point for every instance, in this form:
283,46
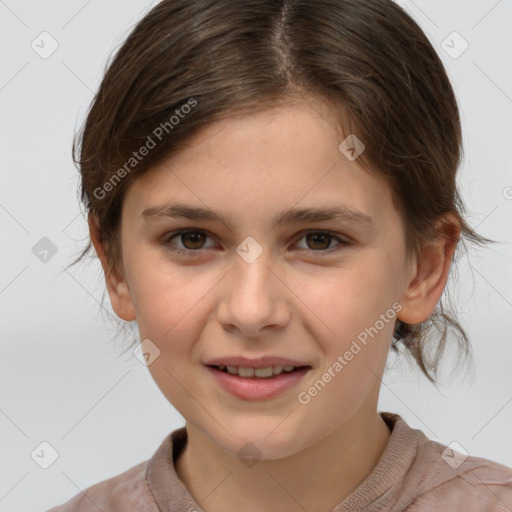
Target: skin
297,299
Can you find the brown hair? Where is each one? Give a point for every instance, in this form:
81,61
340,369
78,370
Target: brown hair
367,58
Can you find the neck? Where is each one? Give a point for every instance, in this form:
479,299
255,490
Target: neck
317,478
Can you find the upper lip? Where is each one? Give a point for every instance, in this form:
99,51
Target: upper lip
260,362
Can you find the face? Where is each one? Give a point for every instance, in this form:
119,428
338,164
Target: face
321,294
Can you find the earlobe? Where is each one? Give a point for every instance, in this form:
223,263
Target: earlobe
117,286
430,273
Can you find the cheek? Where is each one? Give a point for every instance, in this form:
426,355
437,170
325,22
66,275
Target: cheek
167,297
170,308
345,301
357,308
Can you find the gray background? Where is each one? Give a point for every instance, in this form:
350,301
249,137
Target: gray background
60,379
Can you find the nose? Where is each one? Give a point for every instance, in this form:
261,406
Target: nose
254,298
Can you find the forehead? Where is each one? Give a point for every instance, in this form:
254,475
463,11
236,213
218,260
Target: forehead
257,163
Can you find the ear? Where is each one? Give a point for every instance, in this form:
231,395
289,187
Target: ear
429,272
117,286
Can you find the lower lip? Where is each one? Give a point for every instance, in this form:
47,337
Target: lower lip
254,388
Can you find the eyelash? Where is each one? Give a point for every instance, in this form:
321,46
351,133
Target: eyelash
191,252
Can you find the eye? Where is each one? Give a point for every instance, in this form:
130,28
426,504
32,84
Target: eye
319,241
193,240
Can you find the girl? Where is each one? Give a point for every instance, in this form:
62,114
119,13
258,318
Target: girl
271,191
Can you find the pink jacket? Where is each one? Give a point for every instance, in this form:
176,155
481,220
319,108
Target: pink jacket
414,474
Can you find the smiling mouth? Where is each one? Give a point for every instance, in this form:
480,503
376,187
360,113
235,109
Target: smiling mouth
258,373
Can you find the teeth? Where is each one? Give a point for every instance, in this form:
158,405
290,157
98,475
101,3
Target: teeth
263,372
245,372
267,372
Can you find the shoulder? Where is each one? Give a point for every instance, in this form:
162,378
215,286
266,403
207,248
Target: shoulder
447,479
126,491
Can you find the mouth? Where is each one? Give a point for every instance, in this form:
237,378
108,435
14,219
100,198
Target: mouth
262,383
267,372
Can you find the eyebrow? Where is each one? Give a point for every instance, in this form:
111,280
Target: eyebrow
287,217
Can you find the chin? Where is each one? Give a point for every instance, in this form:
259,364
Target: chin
261,440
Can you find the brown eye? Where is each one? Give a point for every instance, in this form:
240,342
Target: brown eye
192,239
189,242
320,241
